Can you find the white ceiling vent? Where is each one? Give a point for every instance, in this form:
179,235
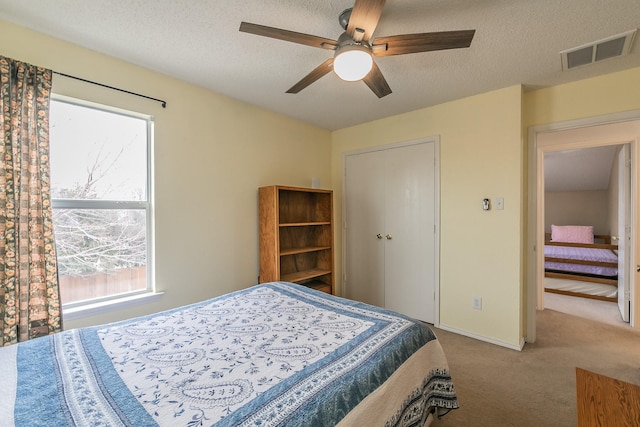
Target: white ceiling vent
608,48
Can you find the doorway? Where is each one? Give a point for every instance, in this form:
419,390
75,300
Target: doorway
588,189
601,131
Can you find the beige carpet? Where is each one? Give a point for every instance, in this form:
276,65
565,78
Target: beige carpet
535,387
600,311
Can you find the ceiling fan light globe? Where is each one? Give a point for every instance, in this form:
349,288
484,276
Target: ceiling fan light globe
352,63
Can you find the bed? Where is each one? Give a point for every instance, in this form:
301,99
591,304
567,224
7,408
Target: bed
586,263
275,354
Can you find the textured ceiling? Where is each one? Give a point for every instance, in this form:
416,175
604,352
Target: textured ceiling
516,42
579,170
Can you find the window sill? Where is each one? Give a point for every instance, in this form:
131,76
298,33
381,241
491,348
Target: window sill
110,305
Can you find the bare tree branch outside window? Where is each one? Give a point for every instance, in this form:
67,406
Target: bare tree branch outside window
98,240
103,240
99,191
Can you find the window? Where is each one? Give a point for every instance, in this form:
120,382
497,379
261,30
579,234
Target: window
100,190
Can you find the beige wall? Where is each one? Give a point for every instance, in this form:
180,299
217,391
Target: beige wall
586,101
578,208
481,156
211,155
608,94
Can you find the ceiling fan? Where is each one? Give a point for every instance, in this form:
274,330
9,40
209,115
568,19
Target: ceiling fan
359,24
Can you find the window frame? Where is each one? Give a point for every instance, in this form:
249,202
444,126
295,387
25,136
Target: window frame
98,304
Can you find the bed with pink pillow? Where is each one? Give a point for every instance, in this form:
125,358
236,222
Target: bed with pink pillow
573,252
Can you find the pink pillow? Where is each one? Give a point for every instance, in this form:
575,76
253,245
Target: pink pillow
572,233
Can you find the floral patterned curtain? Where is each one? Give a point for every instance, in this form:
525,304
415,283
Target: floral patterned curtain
30,306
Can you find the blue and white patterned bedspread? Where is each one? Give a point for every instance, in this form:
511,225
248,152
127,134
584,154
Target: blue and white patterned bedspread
275,354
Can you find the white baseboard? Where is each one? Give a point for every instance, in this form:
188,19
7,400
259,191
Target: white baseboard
483,338
110,305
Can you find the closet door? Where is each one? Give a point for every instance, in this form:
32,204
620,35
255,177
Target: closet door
410,227
364,219
390,244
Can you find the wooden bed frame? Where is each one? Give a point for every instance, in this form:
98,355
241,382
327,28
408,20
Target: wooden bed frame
604,243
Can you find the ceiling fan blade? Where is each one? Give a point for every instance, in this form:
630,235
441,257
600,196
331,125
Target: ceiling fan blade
365,16
318,72
376,82
290,36
423,42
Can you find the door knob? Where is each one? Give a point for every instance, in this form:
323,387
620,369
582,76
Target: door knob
388,236
379,236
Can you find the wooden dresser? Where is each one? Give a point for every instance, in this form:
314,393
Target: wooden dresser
604,401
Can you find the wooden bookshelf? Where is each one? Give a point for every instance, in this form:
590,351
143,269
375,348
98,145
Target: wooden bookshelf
296,236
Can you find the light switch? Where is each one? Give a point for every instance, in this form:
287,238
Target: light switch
500,203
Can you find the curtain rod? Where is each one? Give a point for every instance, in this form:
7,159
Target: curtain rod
164,103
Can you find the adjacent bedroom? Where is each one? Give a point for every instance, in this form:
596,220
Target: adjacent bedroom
586,207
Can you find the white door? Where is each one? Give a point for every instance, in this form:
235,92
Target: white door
624,230
364,245
390,211
410,231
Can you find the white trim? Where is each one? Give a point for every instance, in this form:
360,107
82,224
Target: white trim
101,107
97,204
91,309
151,217
535,186
426,140
436,221
482,338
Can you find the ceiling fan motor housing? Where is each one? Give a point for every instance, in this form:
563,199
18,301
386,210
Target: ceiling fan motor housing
346,40
343,19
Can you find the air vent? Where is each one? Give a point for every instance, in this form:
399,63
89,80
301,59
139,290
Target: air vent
608,48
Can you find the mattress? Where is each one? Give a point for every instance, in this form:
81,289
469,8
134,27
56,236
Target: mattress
275,354
578,287
581,254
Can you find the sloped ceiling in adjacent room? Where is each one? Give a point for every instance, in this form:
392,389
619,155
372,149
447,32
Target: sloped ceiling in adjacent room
579,170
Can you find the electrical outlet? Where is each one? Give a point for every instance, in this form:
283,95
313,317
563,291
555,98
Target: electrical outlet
477,303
